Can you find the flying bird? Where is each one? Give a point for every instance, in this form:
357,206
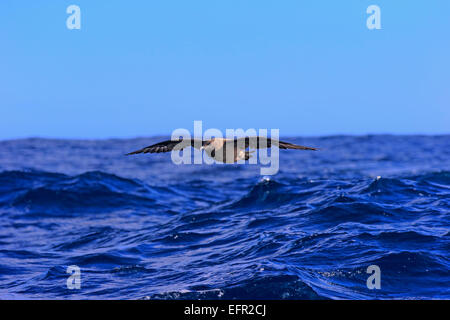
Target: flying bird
220,149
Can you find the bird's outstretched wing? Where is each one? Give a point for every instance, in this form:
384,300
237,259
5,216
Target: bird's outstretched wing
170,145
264,142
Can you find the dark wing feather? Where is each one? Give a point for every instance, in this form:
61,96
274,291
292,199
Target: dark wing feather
287,145
169,145
263,142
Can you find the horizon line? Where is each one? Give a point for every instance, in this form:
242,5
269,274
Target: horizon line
166,135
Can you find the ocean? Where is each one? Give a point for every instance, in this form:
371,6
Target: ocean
141,227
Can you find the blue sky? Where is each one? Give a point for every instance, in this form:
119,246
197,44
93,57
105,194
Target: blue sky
141,68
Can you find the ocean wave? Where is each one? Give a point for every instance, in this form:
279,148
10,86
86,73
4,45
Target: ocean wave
286,287
143,227
58,194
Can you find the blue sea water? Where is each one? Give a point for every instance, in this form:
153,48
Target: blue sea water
141,227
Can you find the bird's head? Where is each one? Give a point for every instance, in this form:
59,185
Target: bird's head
207,145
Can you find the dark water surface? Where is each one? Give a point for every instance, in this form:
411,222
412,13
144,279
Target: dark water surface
142,227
